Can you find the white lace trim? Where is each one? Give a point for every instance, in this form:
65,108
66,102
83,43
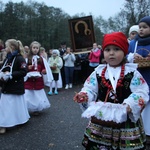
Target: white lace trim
106,112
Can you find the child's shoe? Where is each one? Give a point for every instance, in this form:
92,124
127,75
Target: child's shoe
2,130
66,86
36,113
56,93
50,93
70,85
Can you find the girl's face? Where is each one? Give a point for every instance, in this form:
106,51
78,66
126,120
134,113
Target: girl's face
113,55
35,49
144,29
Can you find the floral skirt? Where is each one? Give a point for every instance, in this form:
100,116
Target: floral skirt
108,136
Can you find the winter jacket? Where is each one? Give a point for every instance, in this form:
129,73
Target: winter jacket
16,84
94,57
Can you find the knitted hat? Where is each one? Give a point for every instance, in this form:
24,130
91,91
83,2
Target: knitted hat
55,51
146,20
117,39
133,28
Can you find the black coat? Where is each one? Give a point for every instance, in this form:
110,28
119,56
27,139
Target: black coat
16,84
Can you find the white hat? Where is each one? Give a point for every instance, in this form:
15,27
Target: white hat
133,28
56,51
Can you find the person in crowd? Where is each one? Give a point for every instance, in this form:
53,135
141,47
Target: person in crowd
3,53
13,108
26,51
43,53
50,53
133,31
77,70
55,62
1,45
35,95
94,58
84,66
62,50
113,97
139,48
69,60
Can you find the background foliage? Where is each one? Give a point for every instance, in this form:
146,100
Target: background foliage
36,21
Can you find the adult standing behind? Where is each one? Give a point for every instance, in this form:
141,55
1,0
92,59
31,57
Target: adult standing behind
62,50
69,59
94,58
26,51
138,49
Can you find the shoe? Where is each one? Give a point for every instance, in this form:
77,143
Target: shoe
70,85
36,113
56,93
50,93
2,130
66,86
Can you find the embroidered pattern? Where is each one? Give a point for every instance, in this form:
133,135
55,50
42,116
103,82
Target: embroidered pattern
138,81
135,97
91,80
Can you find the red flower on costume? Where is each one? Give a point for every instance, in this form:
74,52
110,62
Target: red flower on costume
142,80
141,103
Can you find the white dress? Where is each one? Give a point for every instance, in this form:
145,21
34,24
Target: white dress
13,110
36,100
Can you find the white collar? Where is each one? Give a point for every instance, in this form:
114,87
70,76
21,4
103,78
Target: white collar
113,75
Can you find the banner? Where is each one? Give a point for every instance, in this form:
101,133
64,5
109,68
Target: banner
82,34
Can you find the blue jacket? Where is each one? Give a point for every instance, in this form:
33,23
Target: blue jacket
142,50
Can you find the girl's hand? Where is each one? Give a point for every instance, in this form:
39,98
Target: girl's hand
80,97
43,71
30,67
129,110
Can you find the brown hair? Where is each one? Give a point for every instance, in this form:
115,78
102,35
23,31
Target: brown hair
31,54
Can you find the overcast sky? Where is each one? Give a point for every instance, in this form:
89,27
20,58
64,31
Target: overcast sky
105,8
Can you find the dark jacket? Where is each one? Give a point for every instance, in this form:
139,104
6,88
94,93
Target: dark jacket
16,84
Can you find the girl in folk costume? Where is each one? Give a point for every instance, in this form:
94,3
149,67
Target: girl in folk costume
114,96
13,109
34,84
139,48
55,62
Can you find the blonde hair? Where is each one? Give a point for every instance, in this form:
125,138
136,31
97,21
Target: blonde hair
35,42
16,45
42,49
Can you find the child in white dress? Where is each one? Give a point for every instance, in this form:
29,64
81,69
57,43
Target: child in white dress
13,108
35,95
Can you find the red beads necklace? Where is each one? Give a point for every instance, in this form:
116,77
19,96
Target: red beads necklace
108,83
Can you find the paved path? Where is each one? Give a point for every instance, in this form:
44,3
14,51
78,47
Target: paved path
58,128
